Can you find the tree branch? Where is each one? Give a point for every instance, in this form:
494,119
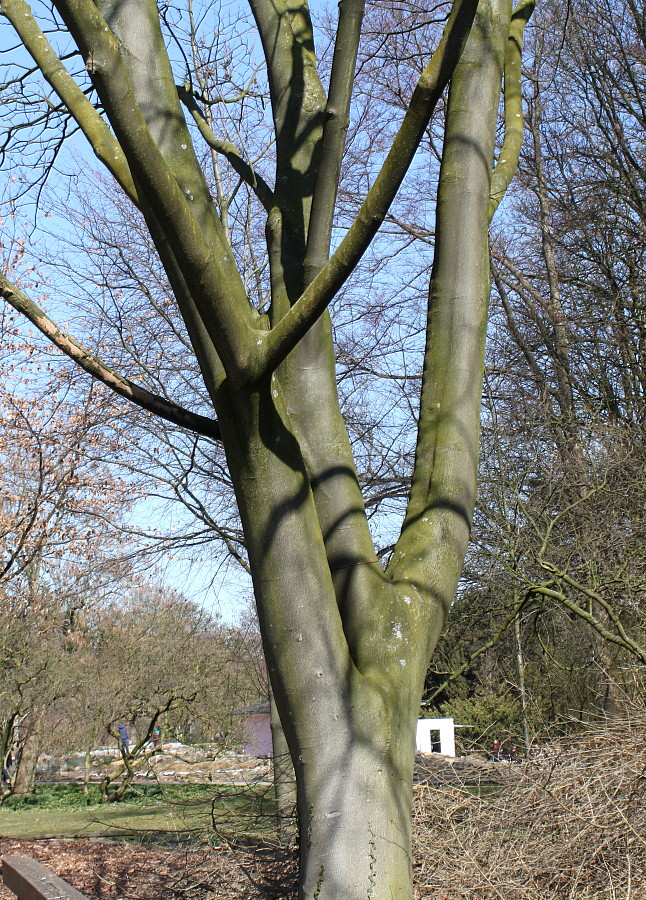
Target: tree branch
103,143
532,362
515,612
291,328
510,150
104,373
621,640
603,603
337,119
260,187
205,260
437,524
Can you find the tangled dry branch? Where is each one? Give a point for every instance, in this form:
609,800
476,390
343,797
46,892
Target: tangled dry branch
570,825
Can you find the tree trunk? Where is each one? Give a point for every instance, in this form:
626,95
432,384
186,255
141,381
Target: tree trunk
355,823
520,664
87,766
5,747
284,777
24,783
349,721
347,645
610,699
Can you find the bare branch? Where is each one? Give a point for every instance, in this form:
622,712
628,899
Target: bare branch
101,371
205,260
510,151
103,143
291,328
227,149
621,640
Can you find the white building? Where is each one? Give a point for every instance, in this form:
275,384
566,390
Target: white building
436,736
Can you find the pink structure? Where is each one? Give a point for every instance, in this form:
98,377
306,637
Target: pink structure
256,730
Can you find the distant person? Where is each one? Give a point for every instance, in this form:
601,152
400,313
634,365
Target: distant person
495,750
125,740
513,753
155,738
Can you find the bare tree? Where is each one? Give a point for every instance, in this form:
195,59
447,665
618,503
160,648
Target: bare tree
347,642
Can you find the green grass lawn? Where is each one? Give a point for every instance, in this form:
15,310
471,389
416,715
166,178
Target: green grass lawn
174,813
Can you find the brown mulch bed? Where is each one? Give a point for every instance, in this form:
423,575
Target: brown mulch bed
119,870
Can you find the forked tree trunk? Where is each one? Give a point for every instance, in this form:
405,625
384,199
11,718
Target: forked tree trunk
347,644
349,722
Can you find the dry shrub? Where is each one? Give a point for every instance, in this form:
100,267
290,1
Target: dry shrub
570,825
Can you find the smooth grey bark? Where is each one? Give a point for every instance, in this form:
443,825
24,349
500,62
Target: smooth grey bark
339,721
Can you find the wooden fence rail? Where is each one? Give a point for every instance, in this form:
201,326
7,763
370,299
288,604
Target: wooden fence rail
28,880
